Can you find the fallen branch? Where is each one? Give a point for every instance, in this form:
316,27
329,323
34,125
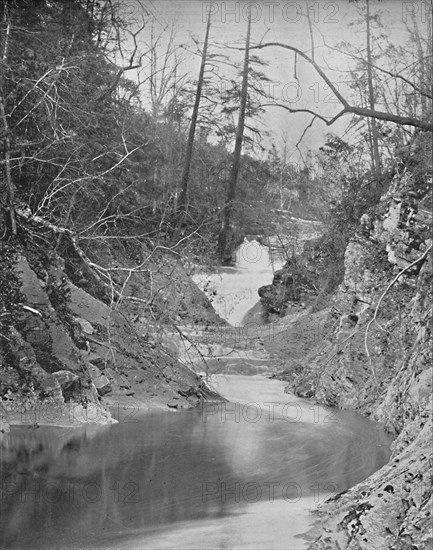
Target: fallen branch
104,344
99,271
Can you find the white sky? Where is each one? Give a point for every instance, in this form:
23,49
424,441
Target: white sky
286,21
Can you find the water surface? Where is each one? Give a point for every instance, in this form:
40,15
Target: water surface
237,475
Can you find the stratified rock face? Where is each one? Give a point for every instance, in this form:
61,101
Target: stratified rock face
392,509
378,360
294,284
318,268
45,367
72,349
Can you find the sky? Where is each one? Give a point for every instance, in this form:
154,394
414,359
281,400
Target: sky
286,21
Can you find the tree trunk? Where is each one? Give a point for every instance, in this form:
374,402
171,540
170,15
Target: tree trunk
7,141
183,198
375,142
227,236
424,78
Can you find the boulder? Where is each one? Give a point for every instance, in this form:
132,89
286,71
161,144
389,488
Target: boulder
86,327
4,426
101,382
174,403
48,385
304,390
28,368
66,378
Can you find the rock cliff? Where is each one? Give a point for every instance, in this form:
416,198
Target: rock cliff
374,355
72,350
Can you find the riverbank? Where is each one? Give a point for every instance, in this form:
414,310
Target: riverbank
76,348
394,504
371,351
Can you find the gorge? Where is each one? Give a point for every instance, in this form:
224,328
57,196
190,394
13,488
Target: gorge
216,275
241,472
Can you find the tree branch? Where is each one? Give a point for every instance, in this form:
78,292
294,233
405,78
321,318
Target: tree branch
305,131
391,284
347,108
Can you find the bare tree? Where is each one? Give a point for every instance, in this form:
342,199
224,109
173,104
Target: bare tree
423,55
162,71
375,157
226,235
183,199
6,131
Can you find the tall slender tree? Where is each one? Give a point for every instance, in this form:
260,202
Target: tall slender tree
5,130
183,198
375,156
227,235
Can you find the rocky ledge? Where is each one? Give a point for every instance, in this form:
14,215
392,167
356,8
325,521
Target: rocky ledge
371,351
71,355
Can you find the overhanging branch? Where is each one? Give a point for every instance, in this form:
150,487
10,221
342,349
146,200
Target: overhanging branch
347,108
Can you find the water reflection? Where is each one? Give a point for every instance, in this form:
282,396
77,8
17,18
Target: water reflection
147,480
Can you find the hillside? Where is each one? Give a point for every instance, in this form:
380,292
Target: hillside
77,346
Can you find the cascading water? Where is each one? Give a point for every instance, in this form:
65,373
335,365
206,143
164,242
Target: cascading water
233,290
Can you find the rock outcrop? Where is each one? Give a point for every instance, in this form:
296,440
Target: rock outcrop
382,366
315,270
374,355
71,351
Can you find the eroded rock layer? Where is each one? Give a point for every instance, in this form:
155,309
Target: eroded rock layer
373,353
70,355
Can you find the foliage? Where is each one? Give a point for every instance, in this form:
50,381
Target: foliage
10,296
94,153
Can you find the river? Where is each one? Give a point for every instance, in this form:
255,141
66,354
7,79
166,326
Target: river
243,474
